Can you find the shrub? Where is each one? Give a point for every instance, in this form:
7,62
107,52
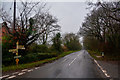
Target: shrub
32,57
35,48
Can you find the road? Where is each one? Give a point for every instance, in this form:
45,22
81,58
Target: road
75,65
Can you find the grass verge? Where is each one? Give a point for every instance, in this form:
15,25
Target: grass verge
94,54
34,64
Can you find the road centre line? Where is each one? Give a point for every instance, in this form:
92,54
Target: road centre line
72,62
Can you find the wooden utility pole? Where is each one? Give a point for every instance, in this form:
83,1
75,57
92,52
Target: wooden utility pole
14,16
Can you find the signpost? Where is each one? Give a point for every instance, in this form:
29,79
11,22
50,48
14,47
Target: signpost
102,54
16,51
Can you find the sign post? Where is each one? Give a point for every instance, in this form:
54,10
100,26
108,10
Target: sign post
102,54
16,51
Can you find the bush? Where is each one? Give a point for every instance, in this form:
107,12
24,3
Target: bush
35,48
36,57
71,41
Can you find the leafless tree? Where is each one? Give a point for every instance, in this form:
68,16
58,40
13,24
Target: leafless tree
32,22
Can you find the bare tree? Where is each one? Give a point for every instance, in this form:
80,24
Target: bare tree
32,22
47,21
103,24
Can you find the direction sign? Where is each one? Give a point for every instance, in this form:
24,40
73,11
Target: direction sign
13,50
17,56
21,47
16,51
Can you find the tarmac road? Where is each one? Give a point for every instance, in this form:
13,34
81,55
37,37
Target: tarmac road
75,65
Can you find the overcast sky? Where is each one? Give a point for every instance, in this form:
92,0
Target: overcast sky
70,14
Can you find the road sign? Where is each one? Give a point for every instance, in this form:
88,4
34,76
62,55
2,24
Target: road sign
17,60
17,56
16,51
13,50
102,54
21,47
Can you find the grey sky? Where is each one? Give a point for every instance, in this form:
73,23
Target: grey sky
70,14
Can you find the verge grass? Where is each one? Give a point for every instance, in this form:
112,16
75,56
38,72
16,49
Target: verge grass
34,64
94,54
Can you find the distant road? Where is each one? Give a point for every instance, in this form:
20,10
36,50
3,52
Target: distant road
75,65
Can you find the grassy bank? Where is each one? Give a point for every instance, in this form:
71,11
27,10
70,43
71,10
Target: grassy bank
34,64
97,55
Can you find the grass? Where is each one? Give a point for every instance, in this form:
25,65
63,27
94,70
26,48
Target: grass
94,54
106,57
34,64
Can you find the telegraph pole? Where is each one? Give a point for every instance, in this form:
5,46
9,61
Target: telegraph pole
14,16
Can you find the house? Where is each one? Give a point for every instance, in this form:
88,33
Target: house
0,32
3,30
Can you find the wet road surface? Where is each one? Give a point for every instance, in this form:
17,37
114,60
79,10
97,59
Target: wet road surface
75,65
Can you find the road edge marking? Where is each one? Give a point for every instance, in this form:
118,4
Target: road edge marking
4,76
21,73
15,73
104,71
11,77
24,69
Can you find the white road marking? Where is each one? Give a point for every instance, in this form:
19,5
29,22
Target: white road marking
11,77
72,62
64,60
104,71
15,73
36,68
0,77
78,55
5,76
107,75
24,69
30,70
21,73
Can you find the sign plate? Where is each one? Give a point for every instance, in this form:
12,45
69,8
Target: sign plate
13,50
21,47
17,56
17,60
